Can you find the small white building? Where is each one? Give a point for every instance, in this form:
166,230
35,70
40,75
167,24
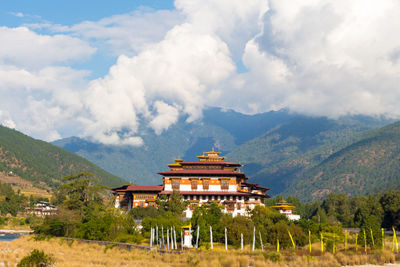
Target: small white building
42,209
285,208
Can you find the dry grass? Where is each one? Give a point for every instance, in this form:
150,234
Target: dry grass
68,253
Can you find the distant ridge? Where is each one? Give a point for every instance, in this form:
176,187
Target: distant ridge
370,165
39,161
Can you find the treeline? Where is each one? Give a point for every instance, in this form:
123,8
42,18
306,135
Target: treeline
350,212
86,211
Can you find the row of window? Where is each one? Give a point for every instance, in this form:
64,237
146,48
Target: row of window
194,184
229,206
202,197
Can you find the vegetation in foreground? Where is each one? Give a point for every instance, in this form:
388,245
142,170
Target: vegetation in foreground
86,212
67,253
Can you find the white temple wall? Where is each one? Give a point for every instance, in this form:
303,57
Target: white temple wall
167,187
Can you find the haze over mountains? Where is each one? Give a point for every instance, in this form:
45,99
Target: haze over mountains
277,148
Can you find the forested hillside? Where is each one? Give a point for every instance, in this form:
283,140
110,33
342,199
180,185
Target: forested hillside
276,158
370,165
39,161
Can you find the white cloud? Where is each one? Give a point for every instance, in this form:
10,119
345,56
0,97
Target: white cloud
323,58
121,34
41,102
315,57
166,116
18,14
39,94
25,48
5,120
176,70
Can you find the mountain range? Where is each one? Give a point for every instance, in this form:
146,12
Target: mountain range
370,165
278,149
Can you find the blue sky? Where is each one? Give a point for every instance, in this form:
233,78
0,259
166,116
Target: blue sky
72,11
68,13
106,69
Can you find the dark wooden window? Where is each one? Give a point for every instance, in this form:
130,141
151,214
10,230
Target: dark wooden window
206,184
230,206
194,184
224,184
175,184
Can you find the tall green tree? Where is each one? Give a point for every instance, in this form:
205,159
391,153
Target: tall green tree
80,190
390,202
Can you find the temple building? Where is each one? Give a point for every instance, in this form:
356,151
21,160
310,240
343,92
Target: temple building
207,180
286,209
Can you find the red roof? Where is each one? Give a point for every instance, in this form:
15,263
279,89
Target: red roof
255,185
230,193
203,172
132,187
210,163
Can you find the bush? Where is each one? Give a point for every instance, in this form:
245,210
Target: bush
36,258
129,238
272,256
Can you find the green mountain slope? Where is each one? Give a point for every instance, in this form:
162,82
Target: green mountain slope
368,166
38,161
276,158
223,130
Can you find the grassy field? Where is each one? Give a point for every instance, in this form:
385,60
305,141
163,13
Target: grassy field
67,253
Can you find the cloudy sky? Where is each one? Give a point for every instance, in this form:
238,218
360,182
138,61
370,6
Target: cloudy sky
105,69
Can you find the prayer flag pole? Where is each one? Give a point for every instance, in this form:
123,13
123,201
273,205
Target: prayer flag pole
211,238
322,242
181,241
167,239
197,236
372,237
226,241
241,241
291,238
254,238
277,244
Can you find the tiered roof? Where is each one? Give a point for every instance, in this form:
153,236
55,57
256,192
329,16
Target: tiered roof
216,164
283,205
137,188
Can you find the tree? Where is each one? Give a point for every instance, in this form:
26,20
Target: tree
391,205
174,203
80,190
206,216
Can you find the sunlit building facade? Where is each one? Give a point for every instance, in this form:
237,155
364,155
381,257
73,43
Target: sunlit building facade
210,179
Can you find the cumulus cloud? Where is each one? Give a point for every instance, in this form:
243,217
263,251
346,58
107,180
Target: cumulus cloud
176,70
315,57
25,48
324,58
38,95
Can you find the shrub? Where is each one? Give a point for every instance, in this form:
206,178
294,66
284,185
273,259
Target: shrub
272,256
36,258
